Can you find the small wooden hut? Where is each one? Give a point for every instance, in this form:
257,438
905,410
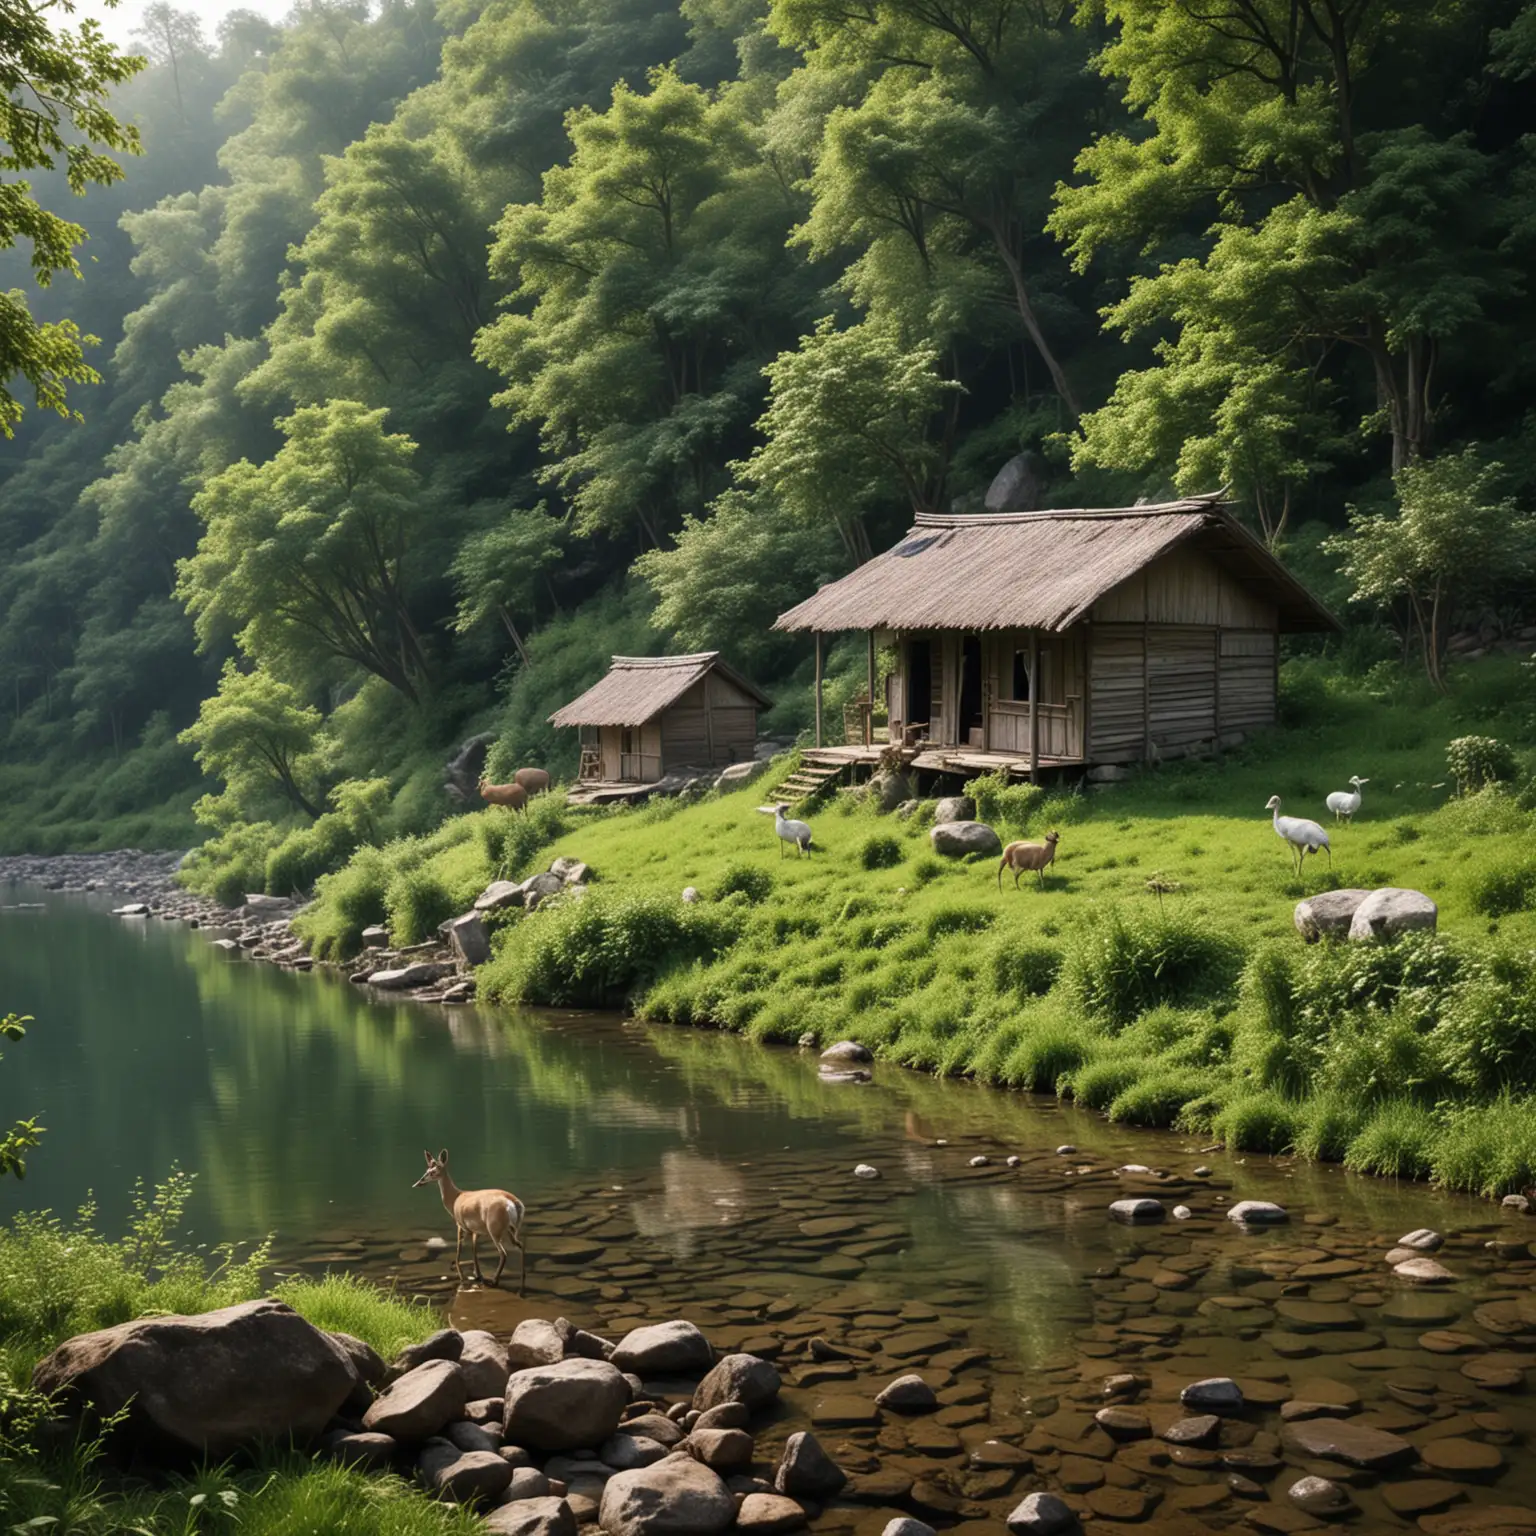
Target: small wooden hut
653,715
1042,639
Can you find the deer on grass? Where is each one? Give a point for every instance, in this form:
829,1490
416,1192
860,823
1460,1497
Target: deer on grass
512,795
493,1213
1021,856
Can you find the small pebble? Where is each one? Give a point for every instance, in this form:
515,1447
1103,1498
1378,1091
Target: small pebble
1015,1160
1067,1151
1182,1213
980,1162
866,1171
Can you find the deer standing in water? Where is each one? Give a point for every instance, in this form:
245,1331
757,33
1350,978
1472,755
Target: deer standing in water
493,1213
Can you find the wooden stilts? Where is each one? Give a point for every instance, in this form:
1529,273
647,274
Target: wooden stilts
869,714
1034,706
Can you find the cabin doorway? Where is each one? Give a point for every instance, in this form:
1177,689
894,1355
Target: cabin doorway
919,683
970,692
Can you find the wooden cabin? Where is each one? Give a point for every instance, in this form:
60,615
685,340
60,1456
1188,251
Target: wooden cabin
654,715
1042,639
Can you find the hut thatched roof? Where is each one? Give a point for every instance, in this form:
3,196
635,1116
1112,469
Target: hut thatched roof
638,688
1042,570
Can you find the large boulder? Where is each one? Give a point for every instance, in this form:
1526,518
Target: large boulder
1328,914
207,1384
742,1379
1019,486
1386,913
563,1406
535,1341
890,788
805,1471
957,838
463,1476
484,1363
955,808
539,888
366,1360
470,941
406,978
499,894
532,1517
419,1403
678,1496
665,1349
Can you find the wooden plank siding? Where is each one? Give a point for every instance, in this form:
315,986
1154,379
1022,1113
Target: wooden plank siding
712,725
1247,679
1184,587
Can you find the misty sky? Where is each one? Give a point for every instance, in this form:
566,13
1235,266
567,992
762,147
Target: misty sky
120,22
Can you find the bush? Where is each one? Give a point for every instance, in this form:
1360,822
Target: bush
1329,1122
1025,970
600,951
1002,804
944,921
307,853
347,1304
1259,1122
345,904
1499,889
232,864
1477,761
1157,1099
881,852
1486,1034
754,882
1489,1150
1049,1052
1120,967
418,903
926,870
1395,1142
1098,1083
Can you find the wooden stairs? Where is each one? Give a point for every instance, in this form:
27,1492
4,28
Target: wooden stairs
809,780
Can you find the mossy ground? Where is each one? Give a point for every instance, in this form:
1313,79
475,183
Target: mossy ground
1156,976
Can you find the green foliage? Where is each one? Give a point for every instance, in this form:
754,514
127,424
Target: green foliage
1476,762
1259,1122
753,882
1394,1142
24,1134
343,1303
417,902
1005,805
232,864
881,852
1025,969
1120,966
1498,889
597,952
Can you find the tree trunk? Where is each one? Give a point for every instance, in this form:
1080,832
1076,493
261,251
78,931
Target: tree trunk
1032,326
517,639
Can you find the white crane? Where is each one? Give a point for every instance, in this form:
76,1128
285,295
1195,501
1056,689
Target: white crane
1304,836
1342,803
796,832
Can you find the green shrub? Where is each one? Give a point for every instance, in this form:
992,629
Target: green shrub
753,881
1395,1142
1329,1122
347,1304
1048,1052
881,852
1096,1084
1477,761
1488,1149
1496,890
926,870
307,853
959,919
1259,1122
1486,1031
1119,967
878,932
234,863
418,902
601,950
1024,969
1002,804
1157,1099
345,904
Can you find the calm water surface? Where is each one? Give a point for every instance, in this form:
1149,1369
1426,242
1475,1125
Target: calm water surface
669,1171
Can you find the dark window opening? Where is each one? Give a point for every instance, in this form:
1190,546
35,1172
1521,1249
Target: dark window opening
970,686
919,682
1021,677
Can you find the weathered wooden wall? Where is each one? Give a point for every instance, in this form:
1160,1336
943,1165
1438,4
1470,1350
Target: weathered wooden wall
1184,587
713,724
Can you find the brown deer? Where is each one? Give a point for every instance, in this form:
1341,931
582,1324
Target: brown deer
493,1213
513,795
1021,856
534,780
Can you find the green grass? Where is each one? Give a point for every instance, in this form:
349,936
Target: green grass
1202,1009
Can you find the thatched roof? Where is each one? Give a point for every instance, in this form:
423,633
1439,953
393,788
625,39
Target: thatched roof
1042,570
638,688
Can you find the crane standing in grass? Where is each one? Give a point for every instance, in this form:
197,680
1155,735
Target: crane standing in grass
1304,836
1345,803
796,832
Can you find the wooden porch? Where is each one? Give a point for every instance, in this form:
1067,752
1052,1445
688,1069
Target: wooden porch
822,767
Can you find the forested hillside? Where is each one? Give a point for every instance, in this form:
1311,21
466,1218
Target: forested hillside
448,346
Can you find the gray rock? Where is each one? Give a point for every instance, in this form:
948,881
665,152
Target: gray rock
1041,1514
376,937
571,871
1019,486
1137,1212
470,941
738,1379
675,1348
535,1341
1319,1496
725,1416
848,1050
866,1171
721,1450
463,1477
955,808
909,1394
957,838
1423,1239
484,1410
540,888
625,1451
469,1436
1193,1430
1328,914
445,1344
366,1360
133,909
690,894
532,1517
806,1471
367,1451
591,1346
1358,1445
741,773
527,1483
658,1427
1391,911
766,1514
499,894
678,1496
1423,1271
1216,1394
407,977
1515,1203
1258,1213
483,1360
560,1407
420,1402
890,789
188,1383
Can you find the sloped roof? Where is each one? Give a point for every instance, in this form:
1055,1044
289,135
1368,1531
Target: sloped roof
638,688
1042,570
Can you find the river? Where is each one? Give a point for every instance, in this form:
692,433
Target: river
688,1173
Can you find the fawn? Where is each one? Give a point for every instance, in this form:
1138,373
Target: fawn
493,1213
